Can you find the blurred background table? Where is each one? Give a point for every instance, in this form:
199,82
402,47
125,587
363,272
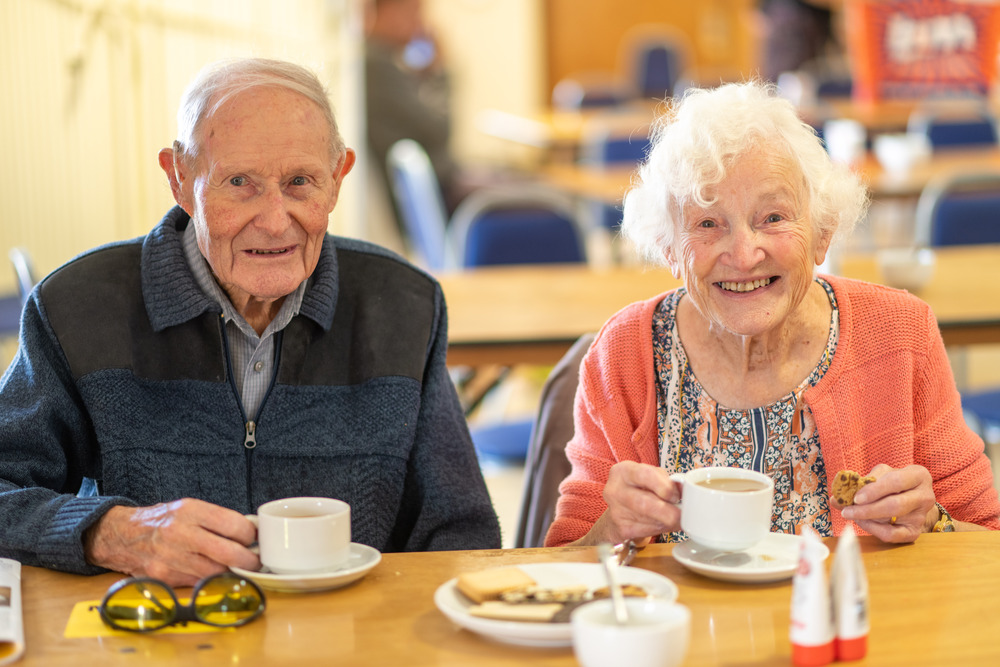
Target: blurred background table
533,313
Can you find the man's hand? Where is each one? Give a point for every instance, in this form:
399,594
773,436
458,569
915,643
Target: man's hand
178,542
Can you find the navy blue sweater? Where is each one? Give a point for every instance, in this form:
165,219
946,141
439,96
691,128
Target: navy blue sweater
122,377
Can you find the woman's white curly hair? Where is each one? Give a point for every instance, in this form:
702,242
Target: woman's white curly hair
695,142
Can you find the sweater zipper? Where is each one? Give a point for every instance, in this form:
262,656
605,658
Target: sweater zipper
250,425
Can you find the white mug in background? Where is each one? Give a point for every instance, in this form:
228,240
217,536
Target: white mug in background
728,509
303,535
656,634
845,140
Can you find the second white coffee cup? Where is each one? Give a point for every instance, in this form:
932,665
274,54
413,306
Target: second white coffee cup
728,509
304,535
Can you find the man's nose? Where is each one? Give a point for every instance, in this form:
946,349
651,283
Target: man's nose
273,214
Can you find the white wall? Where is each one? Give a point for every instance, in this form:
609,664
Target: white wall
91,90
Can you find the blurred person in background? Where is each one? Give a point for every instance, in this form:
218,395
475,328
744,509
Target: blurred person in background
407,90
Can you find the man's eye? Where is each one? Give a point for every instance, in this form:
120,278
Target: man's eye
238,181
775,217
300,180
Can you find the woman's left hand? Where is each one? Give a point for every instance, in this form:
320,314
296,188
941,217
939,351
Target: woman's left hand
895,507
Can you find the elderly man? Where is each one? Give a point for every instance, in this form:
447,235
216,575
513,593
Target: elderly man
169,385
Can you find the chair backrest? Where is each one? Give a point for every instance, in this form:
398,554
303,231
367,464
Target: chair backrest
420,203
955,130
605,147
959,209
23,271
655,57
516,225
545,464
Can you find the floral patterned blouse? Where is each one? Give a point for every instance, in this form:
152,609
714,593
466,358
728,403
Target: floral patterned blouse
779,440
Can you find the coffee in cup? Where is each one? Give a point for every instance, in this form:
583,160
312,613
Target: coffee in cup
304,535
728,509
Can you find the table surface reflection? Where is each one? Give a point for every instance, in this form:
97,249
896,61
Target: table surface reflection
933,602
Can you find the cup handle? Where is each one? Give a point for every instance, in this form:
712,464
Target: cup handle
255,547
678,478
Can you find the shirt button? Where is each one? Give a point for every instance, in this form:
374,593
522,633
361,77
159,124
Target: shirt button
259,366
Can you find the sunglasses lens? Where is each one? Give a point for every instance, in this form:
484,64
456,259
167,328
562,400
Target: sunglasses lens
140,606
228,599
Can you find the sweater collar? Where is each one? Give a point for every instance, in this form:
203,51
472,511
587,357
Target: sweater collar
172,294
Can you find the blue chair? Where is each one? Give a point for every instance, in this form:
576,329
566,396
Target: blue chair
513,225
954,131
516,225
964,209
606,147
418,197
959,209
655,57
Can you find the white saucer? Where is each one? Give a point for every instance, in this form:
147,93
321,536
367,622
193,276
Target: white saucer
772,559
362,559
455,605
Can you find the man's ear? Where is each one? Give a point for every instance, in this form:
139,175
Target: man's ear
177,177
342,170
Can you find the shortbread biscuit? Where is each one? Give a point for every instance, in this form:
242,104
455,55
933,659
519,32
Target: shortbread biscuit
846,483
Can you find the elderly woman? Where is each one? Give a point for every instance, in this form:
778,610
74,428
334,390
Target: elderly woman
758,363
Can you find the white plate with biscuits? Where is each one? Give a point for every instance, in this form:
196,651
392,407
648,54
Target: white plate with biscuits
775,558
554,576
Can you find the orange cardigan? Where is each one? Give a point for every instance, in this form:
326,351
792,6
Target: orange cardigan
888,397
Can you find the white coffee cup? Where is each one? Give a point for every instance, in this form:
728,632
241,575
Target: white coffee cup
728,509
656,635
303,535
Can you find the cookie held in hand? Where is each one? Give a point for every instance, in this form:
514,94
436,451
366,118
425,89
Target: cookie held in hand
845,484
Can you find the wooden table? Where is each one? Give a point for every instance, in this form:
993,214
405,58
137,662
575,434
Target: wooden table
934,602
532,314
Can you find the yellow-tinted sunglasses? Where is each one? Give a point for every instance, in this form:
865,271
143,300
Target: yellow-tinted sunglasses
145,605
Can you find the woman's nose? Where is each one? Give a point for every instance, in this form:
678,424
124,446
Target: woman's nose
744,250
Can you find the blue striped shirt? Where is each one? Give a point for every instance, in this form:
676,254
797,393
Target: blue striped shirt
251,356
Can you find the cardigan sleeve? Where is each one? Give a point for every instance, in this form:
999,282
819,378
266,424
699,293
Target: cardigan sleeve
614,417
945,445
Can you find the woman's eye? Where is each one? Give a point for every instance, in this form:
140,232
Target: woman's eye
707,224
238,181
775,217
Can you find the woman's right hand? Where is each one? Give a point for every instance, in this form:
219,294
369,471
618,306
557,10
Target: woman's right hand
641,501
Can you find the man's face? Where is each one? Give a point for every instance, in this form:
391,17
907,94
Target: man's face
260,191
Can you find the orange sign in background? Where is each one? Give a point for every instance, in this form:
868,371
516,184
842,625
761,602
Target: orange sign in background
922,48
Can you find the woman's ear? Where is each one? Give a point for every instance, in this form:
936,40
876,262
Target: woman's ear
672,263
823,246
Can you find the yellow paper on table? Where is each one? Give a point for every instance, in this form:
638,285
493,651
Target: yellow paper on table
85,621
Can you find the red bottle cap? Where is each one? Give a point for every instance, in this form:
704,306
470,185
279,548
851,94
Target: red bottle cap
852,649
812,656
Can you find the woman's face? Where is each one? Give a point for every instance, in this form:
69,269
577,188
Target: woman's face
747,260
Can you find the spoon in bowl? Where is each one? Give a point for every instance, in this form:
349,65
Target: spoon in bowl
607,557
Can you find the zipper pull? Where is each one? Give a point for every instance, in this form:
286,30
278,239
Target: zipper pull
251,440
